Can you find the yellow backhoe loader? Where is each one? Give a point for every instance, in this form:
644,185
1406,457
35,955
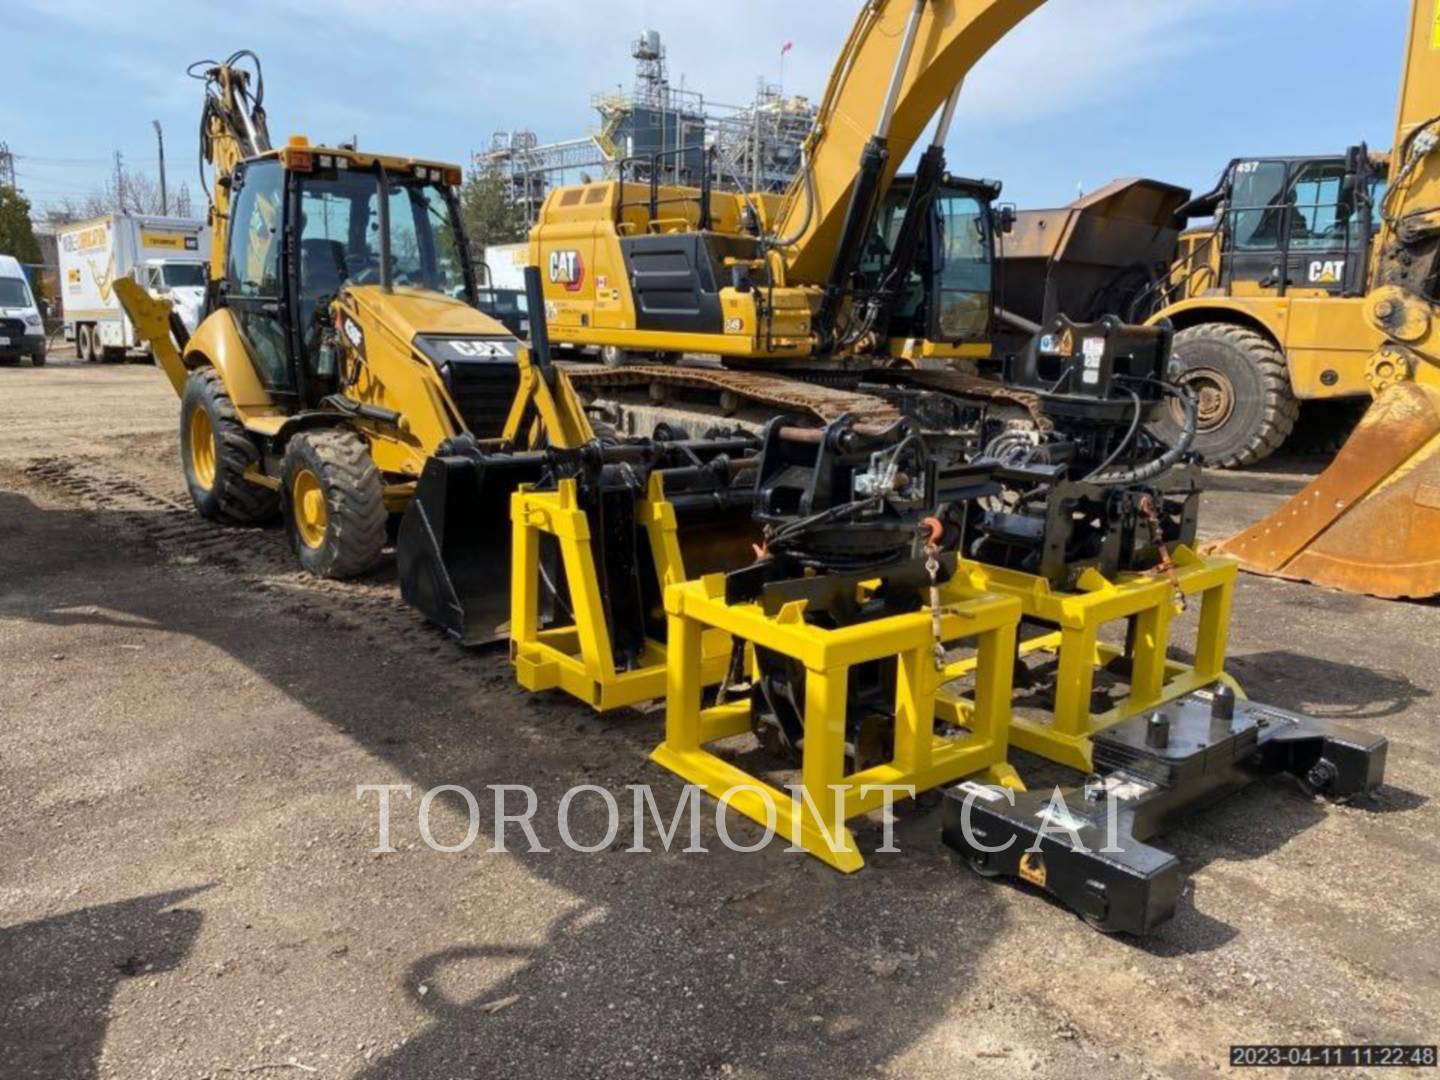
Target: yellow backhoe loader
341,346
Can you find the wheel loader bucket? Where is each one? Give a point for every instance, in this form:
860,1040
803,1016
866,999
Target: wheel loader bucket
1370,523
453,550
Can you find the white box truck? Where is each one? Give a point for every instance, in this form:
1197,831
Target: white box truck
165,254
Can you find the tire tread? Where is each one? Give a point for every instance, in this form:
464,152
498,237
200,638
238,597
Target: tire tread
1281,407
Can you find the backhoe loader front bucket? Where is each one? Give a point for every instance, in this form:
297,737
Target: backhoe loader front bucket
1370,523
453,551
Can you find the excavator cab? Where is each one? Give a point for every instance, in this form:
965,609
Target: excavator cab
946,296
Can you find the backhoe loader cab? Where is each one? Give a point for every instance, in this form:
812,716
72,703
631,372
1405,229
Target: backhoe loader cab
344,346
309,227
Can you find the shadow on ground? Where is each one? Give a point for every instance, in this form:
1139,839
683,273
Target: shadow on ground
58,976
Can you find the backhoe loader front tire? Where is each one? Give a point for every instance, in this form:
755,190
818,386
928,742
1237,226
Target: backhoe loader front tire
215,451
334,503
1242,390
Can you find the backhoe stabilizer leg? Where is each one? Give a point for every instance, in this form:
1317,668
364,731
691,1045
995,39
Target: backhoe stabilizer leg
1089,846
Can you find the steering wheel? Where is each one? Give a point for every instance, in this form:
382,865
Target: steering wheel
361,267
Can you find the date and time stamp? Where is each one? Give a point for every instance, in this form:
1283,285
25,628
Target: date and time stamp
1334,1056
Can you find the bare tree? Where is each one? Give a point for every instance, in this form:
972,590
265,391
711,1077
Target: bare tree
136,193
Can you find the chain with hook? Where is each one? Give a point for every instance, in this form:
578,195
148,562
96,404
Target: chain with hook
931,530
1166,564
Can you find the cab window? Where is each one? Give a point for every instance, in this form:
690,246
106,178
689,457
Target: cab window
1321,213
253,277
253,266
965,272
1257,205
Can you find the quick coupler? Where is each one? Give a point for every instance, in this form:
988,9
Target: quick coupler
1088,846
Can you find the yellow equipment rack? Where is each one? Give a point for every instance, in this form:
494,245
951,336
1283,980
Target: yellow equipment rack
828,796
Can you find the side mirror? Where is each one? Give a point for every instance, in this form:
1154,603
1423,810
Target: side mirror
44,306
1357,160
1004,218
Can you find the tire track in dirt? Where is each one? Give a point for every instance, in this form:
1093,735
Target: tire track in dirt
259,558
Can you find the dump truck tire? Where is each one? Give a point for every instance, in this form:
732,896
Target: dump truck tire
1242,387
215,450
334,503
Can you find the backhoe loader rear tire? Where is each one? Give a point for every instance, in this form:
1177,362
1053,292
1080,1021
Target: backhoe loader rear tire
215,450
1242,389
334,503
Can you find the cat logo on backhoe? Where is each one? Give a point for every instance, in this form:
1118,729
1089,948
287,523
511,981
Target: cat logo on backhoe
1326,271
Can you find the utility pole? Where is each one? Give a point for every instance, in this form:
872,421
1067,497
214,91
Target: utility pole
7,166
119,182
160,138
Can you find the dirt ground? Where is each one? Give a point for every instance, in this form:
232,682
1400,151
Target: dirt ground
187,886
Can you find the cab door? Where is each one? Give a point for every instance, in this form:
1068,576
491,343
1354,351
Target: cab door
964,273
1328,228
254,282
1255,224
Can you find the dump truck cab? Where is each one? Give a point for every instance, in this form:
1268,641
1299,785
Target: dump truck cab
1286,226
1268,295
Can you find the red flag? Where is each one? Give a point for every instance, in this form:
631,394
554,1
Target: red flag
786,47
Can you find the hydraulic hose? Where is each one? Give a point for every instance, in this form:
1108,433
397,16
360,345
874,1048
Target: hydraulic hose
1166,461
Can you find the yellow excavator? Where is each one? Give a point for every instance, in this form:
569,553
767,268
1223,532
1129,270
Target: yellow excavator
857,269
341,345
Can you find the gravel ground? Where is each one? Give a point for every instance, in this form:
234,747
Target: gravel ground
187,886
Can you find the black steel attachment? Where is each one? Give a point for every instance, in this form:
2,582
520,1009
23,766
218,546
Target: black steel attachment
1089,847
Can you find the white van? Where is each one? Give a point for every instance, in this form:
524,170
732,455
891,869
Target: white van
22,330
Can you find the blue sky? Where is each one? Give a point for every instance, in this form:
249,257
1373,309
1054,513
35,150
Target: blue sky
1084,91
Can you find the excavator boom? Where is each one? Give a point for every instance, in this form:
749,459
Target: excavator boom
903,61
1370,523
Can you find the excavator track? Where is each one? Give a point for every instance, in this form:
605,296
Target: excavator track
825,403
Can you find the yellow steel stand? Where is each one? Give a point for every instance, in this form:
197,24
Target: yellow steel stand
578,658
816,819
1079,615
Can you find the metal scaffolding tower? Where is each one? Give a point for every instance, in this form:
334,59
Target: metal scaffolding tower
656,124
